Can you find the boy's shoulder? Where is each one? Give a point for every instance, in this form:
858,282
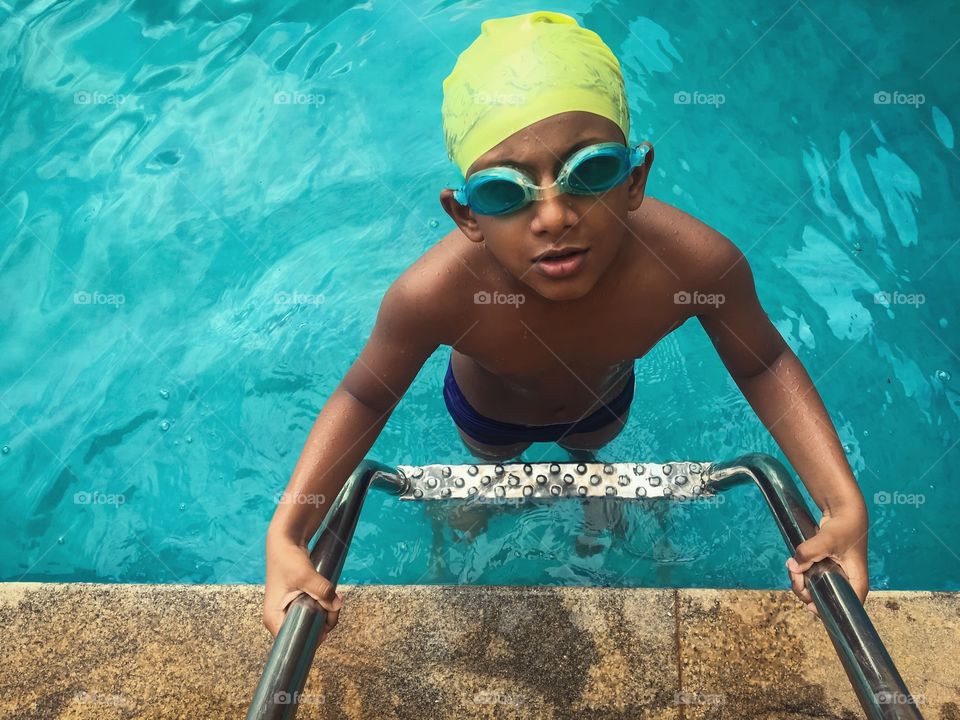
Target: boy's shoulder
695,254
424,292
692,256
442,269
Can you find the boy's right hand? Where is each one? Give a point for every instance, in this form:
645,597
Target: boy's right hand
289,573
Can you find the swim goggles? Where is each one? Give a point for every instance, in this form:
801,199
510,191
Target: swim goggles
589,171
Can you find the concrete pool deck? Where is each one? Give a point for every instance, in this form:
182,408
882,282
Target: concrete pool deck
78,650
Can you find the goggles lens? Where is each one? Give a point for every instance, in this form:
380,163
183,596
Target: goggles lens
597,174
492,195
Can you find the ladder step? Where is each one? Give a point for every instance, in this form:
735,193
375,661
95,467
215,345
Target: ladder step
677,480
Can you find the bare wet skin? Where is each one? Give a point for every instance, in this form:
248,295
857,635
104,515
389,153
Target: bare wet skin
539,365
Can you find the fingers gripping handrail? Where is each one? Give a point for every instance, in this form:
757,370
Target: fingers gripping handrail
279,691
876,682
879,688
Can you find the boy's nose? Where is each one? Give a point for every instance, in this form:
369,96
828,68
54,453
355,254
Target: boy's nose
553,213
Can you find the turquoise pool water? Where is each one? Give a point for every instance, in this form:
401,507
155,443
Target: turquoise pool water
202,204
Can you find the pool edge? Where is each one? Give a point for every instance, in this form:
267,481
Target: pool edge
92,650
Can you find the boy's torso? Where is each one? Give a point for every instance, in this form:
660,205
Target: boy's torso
540,363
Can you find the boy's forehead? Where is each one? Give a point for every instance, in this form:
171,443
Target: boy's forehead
545,141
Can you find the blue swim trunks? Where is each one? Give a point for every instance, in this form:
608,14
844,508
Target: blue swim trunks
495,432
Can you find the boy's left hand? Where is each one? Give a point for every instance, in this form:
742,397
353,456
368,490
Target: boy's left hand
842,537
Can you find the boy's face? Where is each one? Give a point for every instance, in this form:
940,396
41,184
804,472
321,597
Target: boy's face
596,224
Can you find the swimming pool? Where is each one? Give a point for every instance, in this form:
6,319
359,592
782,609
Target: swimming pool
202,205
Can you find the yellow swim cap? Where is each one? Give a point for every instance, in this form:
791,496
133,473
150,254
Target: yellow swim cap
522,69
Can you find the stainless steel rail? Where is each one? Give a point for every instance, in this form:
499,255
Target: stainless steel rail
280,690
881,691
879,688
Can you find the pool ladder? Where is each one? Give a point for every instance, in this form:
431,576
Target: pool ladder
879,688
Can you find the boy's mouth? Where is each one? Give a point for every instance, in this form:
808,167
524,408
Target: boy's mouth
561,262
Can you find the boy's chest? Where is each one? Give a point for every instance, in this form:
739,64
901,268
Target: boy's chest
518,346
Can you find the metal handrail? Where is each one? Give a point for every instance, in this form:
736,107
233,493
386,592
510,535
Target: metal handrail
881,691
279,692
879,688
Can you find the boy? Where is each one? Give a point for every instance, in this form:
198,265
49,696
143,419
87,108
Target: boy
559,275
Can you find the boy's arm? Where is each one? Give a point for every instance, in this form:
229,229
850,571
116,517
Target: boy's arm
402,339
780,391
404,336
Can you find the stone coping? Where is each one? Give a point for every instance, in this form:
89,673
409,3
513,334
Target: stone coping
79,650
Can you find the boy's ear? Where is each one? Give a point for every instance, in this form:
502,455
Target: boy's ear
638,179
461,215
